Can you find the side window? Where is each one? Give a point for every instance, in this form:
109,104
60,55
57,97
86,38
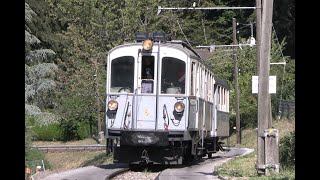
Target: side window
193,79
219,97
200,81
122,74
173,76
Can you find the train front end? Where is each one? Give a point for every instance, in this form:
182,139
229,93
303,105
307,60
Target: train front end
146,114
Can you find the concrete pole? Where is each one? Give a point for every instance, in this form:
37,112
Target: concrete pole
236,71
263,91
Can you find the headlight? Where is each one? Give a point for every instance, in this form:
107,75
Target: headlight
147,44
178,107
112,105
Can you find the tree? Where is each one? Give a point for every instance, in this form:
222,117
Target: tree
39,77
221,62
79,33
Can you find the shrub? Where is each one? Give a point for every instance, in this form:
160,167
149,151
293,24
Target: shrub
83,130
34,157
28,136
48,133
75,130
287,150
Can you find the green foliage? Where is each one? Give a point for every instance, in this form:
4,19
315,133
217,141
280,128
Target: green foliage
67,41
287,151
39,75
99,159
239,167
28,137
284,23
34,157
51,132
79,116
75,130
222,64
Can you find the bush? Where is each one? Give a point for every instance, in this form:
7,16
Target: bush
75,130
34,157
287,151
48,133
83,130
28,137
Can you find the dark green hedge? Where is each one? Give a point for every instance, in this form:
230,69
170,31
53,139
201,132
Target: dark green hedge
48,133
287,151
62,132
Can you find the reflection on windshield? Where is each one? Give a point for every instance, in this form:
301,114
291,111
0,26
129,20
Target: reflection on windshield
173,76
122,74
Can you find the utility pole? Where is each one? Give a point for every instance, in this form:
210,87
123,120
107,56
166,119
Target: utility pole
236,71
267,158
258,42
260,142
258,33
97,94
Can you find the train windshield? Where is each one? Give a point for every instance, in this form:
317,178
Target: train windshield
122,74
173,76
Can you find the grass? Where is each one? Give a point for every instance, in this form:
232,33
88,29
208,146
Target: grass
87,141
238,168
244,167
70,160
249,136
61,161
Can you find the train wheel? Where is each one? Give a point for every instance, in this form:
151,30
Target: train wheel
187,155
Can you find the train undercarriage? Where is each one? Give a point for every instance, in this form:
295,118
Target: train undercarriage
161,147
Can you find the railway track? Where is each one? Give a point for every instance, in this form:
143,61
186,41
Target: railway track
64,148
201,169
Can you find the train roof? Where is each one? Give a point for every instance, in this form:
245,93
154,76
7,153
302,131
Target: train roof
178,44
222,82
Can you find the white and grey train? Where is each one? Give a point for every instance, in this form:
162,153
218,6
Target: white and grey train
164,105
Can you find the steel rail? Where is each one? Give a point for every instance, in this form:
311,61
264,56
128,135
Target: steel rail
63,148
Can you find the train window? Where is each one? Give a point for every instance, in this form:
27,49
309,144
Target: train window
147,71
209,87
122,74
201,81
218,92
147,74
193,79
173,76
224,96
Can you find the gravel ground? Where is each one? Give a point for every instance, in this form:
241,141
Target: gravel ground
137,176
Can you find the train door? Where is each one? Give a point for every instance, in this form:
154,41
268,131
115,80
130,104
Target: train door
145,101
193,99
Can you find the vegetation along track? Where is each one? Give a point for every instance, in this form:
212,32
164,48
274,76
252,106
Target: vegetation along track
63,148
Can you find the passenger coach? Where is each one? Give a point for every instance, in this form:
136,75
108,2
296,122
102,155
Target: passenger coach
164,105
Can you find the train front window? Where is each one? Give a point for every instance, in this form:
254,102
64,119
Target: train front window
173,76
122,74
147,74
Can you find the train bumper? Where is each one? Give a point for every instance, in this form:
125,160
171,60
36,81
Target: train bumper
144,138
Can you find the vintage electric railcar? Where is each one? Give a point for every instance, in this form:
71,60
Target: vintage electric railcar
164,106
